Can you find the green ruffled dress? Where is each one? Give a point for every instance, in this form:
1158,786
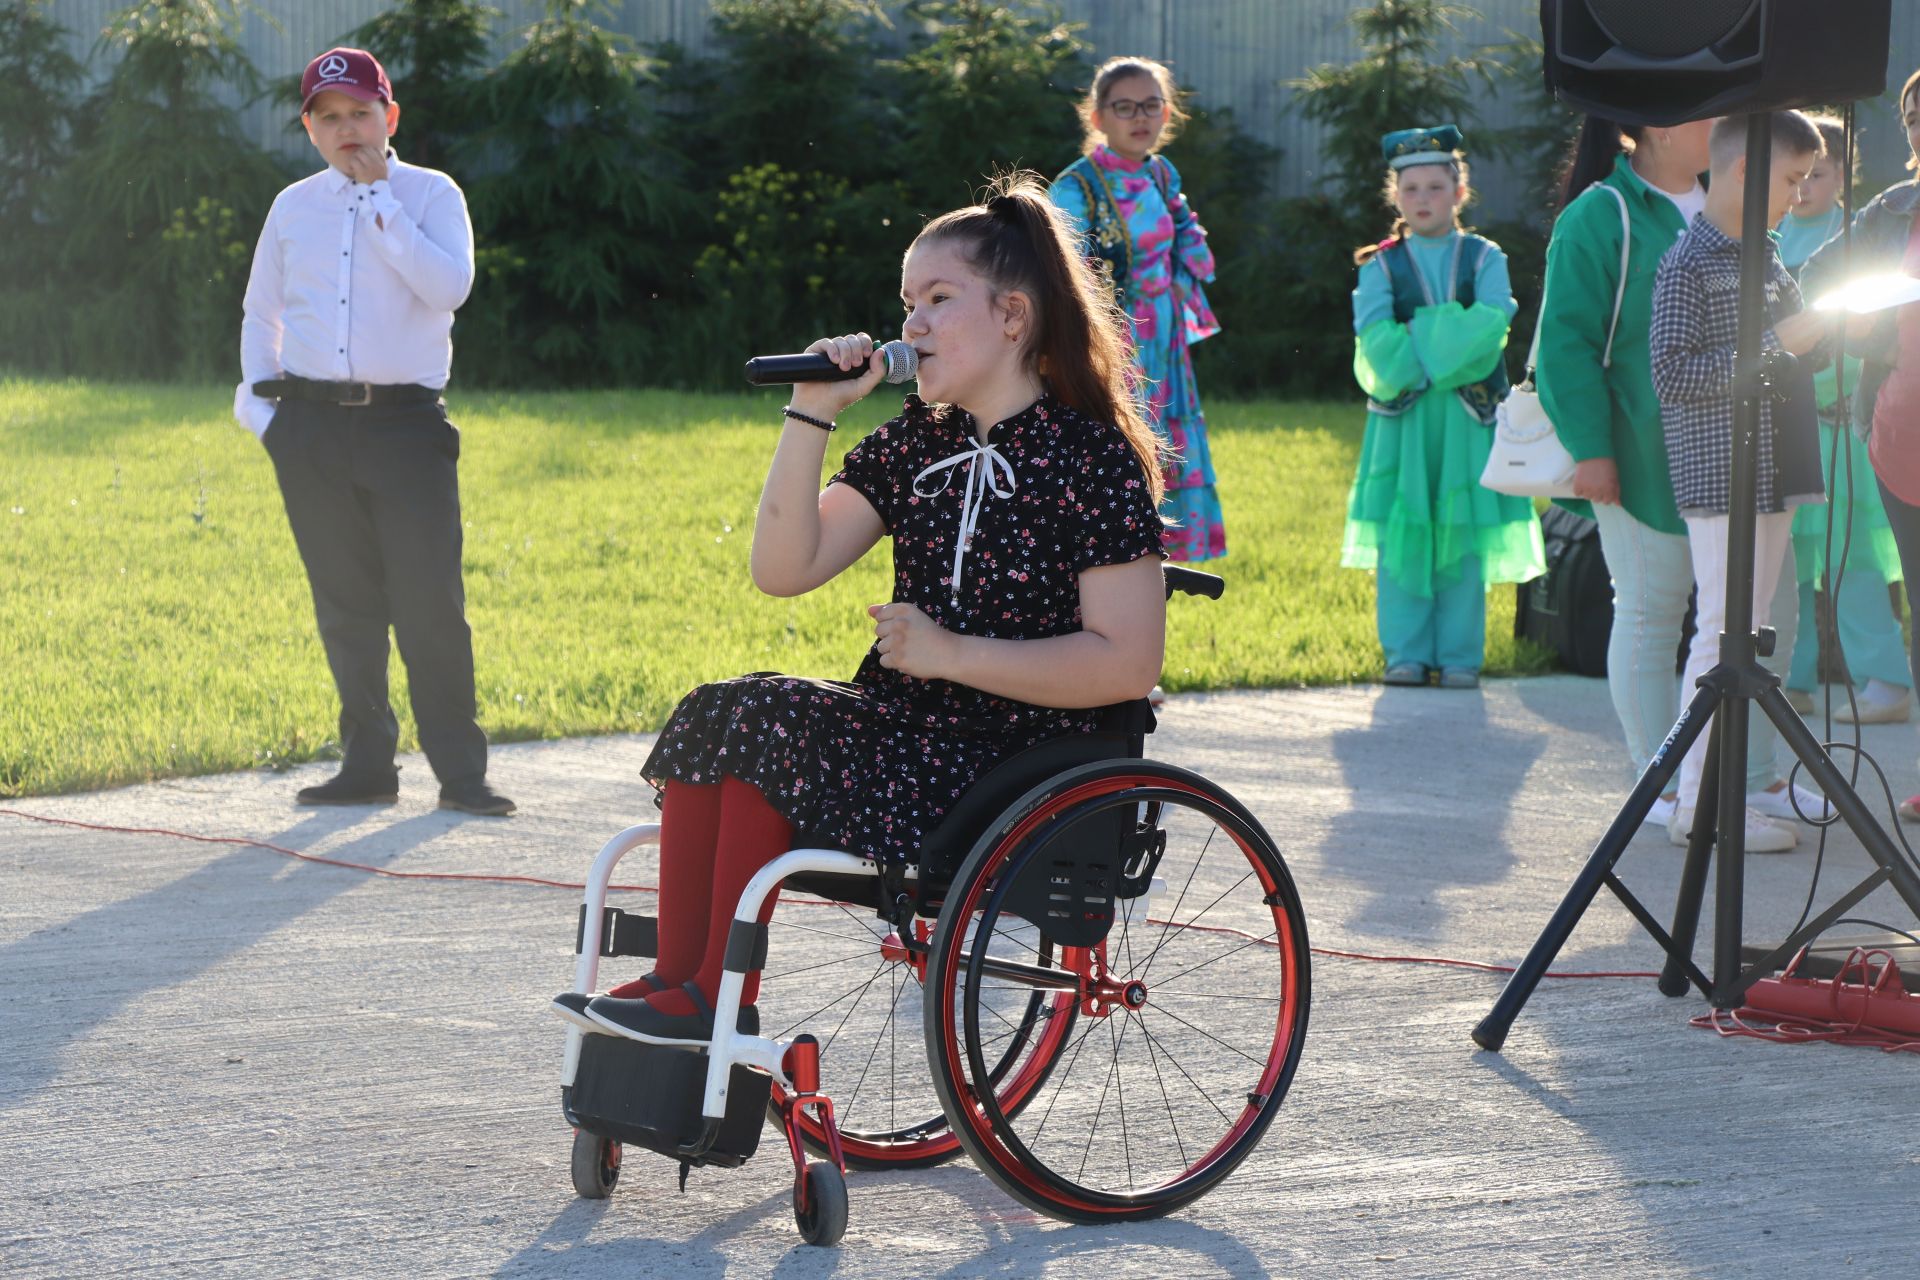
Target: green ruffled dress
1417,508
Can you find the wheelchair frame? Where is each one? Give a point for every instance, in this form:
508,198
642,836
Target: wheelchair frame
1017,794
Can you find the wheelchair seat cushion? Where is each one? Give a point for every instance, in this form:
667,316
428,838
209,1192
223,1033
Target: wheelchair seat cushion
873,764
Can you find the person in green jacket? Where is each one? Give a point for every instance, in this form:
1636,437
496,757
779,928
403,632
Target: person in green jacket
1597,388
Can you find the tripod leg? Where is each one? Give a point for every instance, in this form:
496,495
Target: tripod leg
1693,877
1730,846
1492,1030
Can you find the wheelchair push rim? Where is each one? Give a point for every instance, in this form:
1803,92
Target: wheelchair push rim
1193,1006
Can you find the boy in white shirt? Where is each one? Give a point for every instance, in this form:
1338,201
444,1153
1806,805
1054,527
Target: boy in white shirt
344,349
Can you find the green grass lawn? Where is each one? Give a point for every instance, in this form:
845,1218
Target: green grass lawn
155,621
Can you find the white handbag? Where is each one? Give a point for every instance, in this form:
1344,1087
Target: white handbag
1528,459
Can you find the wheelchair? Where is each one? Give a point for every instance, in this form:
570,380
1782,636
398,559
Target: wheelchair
1093,980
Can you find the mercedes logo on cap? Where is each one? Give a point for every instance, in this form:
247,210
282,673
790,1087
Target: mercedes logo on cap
332,67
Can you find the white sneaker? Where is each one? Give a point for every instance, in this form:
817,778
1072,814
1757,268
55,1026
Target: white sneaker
1878,703
1800,700
1775,804
1661,811
1764,835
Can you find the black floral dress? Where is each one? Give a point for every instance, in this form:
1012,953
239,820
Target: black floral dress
872,765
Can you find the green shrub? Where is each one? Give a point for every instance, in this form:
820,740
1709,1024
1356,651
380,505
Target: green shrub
154,151
576,204
644,216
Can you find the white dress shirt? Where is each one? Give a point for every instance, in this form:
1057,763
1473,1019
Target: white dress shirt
355,283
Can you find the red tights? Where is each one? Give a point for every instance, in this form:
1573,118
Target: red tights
713,838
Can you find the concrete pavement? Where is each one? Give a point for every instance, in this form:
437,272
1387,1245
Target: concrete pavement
218,1061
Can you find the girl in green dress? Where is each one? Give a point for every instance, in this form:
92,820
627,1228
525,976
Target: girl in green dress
1430,316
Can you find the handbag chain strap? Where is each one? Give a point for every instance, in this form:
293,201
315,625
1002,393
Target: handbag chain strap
1619,292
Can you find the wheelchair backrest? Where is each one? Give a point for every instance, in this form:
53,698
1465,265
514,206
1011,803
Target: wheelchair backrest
997,789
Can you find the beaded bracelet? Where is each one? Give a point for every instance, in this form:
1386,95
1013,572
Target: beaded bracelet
798,416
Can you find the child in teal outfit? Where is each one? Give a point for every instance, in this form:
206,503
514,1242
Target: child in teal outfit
1430,317
1864,622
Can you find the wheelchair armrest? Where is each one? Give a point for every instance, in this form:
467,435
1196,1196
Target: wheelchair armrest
1192,582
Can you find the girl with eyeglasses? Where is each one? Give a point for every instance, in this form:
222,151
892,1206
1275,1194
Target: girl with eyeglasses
1141,236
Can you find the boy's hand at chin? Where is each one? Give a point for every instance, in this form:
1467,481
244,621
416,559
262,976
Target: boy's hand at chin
366,164
910,642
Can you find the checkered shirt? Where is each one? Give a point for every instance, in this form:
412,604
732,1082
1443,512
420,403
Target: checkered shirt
1696,316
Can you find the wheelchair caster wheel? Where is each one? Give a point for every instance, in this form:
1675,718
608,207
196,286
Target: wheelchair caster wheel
596,1164
823,1220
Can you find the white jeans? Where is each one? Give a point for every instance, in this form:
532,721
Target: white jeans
1707,538
1652,572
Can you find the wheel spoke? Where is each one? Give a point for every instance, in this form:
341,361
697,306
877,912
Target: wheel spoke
1061,1083
1250,942
854,991
867,937
1153,1060
1100,1110
1258,1062
1192,871
809,968
1120,1093
1172,925
1197,1086
871,1053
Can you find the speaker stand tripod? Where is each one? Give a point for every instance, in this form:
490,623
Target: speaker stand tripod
1726,695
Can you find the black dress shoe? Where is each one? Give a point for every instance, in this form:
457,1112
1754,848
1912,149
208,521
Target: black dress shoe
475,797
572,1005
342,789
638,1020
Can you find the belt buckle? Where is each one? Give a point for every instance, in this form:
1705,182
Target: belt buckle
365,397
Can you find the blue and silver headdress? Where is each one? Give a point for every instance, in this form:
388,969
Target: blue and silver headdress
1435,145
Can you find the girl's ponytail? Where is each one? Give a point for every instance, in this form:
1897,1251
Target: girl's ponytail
1017,239
1591,158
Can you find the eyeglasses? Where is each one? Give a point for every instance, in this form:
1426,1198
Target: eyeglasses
1125,108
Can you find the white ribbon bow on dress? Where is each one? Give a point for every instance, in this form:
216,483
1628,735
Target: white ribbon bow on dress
986,468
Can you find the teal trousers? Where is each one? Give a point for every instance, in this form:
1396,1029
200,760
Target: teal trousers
1445,629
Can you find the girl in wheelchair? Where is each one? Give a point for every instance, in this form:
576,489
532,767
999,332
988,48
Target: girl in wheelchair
1020,492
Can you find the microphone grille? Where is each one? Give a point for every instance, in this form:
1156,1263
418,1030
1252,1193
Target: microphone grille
903,362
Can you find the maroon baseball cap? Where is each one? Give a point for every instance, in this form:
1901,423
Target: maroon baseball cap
354,72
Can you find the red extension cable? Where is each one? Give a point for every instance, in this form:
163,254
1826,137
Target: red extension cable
245,842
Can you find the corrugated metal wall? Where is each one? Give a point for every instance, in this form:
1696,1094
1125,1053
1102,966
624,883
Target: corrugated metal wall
1236,53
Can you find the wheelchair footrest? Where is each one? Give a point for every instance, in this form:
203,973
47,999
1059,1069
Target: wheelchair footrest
649,1096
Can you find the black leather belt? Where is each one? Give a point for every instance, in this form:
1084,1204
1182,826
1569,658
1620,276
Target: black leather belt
350,394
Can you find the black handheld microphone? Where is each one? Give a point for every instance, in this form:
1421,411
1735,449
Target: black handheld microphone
903,362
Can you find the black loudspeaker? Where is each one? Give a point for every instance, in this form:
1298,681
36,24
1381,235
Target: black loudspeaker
1661,62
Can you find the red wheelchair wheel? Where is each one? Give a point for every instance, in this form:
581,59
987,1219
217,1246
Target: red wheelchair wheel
1192,1006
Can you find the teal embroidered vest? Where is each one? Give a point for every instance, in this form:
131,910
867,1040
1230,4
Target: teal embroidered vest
1481,398
1107,245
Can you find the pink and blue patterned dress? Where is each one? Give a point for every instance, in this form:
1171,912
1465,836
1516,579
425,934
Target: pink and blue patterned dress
1140,233
873,764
